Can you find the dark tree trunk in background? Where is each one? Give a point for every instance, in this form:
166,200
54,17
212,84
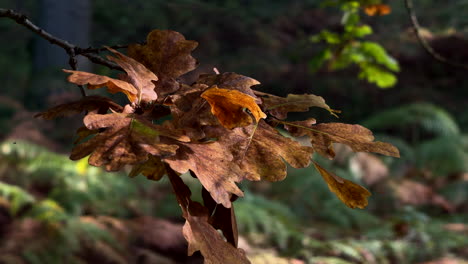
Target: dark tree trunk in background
66,19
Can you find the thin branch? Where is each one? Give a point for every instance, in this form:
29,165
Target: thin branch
67,46
72,61
417,29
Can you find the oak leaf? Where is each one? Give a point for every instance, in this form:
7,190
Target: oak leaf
323,135
228,106
88,103
230,80
261,151
377,9
125,140
200,235
350,193
191,112
212,165
279,107
137,85
167,54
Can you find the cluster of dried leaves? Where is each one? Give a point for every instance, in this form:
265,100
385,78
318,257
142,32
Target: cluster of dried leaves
221,131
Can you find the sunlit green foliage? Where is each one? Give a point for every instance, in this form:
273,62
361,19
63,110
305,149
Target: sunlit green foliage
427,135
347,48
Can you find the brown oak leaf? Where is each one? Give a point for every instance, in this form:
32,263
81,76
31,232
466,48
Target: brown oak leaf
125,140
261,151
228,106
167,54
191,112
137,85
230,80
200,234
359,138
350,193
279,107
212,165
87,103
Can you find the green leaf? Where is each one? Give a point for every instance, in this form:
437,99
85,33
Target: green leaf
378,53
317,62
377,75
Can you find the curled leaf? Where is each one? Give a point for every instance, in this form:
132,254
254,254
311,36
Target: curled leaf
137,85
359,138
350,193
279,107
138,75
228,106
95,81
230,80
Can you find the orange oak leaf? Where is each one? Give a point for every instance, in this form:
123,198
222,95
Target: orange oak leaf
191,112
137,84
279,107
88,103
261,151
199,233
125,140
359,138
377,9
212,165
228,106
167,54
350,193
230,80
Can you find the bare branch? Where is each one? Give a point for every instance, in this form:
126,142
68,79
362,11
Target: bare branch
70,48
417,29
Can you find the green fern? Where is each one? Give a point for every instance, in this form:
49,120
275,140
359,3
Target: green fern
277,222
16,197
76,186
421,118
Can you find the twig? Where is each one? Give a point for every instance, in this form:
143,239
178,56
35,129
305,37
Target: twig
72,61
417,29
71,49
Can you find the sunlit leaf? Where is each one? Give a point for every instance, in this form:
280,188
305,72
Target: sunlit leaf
279,107
137,84
350,193
228,106
230,80
323,135
377,9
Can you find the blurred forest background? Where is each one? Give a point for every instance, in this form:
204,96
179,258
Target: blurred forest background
53,210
